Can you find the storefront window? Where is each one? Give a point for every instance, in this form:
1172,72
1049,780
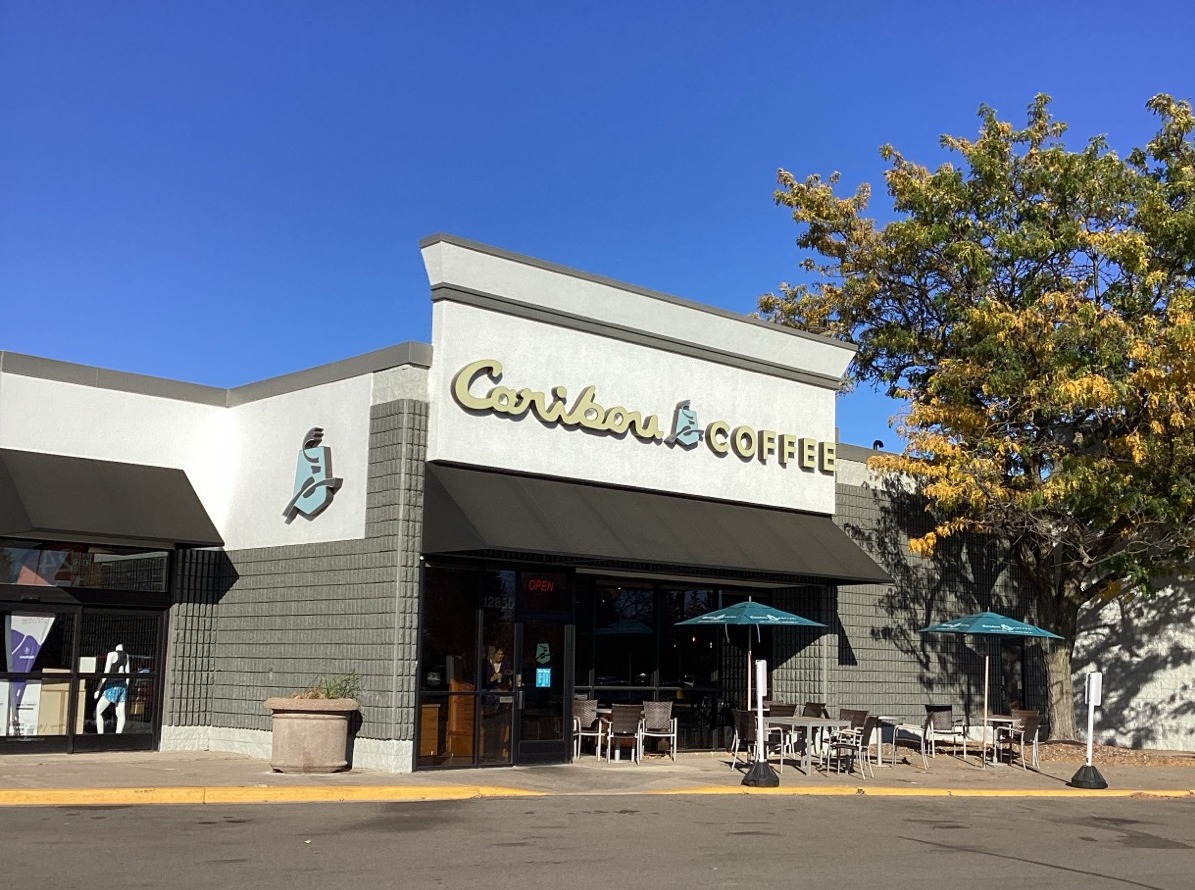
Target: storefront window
448,667
687,656
79,565
624,636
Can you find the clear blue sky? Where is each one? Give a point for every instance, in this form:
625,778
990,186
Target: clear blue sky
225,191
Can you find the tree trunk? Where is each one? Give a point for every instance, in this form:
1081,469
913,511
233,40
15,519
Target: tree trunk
1057,610
1060,702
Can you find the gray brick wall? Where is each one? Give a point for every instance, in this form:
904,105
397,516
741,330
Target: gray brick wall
282,617
198,583
872,657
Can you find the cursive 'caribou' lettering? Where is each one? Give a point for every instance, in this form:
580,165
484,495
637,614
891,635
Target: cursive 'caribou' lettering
583,412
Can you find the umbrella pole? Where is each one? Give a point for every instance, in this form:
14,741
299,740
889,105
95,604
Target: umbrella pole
983,746
750,667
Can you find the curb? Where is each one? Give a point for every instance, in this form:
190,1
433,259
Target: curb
228,795
814,791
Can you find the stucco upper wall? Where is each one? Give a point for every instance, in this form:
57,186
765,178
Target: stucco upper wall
241,460
77,420
626,376
456,263
269,434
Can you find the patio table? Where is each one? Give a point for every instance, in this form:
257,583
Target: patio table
808,724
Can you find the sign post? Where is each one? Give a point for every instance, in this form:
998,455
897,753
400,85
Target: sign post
761,774
1088,776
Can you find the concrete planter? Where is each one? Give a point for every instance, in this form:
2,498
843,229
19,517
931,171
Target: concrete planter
310,734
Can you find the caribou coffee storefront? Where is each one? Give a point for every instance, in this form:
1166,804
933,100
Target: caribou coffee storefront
602,463
482,529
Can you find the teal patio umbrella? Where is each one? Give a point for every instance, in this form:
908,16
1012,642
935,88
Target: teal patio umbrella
755,615
988,624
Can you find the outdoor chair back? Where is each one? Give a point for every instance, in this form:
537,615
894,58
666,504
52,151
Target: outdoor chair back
658,723
657,715
940,717
815,709
626,722
744,735
585,711
857,718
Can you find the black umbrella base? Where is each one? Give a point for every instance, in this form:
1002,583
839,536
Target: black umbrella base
1087,777
761,775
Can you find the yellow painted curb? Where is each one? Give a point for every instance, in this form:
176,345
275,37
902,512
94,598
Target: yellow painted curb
815,791
96,797
253,794
375,793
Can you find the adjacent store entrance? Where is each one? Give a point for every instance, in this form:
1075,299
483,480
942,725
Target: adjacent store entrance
83,641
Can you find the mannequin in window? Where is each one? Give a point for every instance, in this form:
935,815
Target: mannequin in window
114,690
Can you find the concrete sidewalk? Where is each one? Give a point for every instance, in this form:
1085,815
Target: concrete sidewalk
214,778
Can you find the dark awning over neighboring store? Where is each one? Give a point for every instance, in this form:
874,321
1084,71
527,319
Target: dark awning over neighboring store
48,497
469,511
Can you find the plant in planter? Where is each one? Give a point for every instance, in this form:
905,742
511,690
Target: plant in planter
311,728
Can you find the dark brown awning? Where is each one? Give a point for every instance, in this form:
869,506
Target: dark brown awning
470,511
48,497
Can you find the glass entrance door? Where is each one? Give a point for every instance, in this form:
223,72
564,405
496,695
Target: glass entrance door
540,697
494,690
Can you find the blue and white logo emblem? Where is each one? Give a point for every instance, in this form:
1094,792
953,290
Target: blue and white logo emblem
686,431
315,486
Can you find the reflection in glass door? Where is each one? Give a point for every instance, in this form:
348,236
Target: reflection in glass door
495,704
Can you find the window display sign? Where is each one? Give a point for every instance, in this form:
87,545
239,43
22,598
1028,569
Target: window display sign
24,636
543,678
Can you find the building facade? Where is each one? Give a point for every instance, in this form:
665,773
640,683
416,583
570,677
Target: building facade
483,529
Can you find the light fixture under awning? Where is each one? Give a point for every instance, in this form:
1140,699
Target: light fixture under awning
50,497
471,511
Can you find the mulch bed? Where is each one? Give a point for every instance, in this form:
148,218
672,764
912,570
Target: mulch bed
1076,752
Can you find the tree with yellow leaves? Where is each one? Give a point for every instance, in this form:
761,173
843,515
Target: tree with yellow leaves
1035,307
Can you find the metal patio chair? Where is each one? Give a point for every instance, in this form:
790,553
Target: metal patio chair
942,725
658,723
587,725
1023,727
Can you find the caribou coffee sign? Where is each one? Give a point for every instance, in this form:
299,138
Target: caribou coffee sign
476,387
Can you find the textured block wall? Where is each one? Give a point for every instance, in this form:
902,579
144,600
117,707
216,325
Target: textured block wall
198,583
289,615
1146,650
872,656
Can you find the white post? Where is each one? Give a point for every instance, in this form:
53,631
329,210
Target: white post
761,680
1088,776
1095,694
